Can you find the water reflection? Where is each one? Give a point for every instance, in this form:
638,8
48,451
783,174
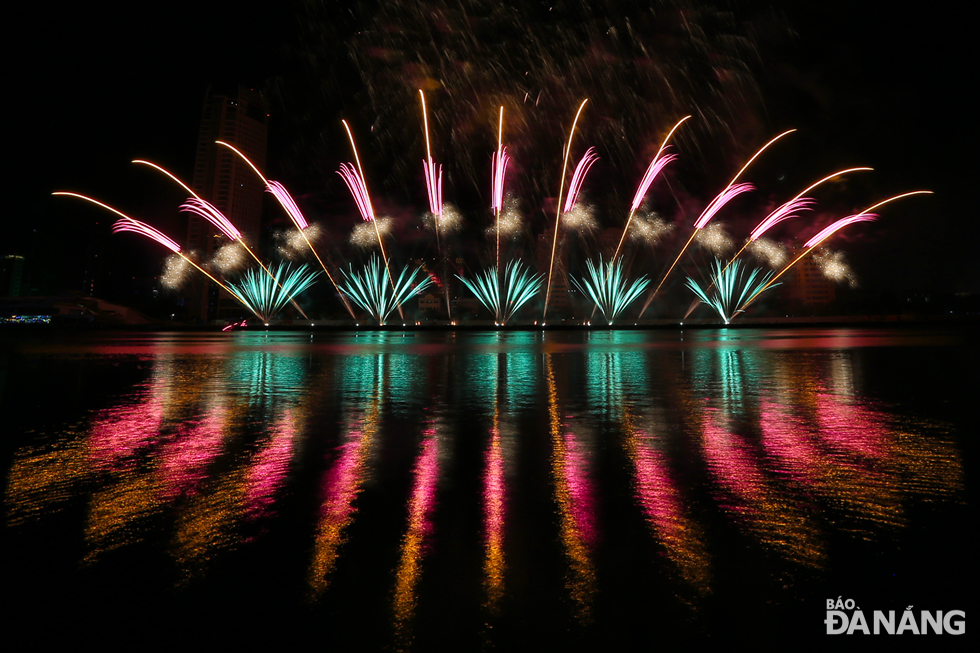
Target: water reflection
779,440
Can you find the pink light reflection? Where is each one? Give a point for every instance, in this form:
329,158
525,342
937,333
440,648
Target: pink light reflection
580,492
268,472
184,461
121,431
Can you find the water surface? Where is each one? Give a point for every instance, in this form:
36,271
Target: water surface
474,491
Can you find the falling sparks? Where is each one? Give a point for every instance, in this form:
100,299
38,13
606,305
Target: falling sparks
768,251
365,234
288,203
210,213
835,267
176,271
357,188
831,229
230,258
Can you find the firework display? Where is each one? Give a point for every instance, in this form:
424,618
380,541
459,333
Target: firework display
609,288
369,290
730,288
504,287
504,295
266,296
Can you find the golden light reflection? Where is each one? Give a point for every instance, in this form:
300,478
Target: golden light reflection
494,510
421,503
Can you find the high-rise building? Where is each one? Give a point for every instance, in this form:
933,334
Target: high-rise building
239,116
809,285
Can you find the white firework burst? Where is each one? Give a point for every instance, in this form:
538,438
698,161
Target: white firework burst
715,239
176,270
363,234
769,251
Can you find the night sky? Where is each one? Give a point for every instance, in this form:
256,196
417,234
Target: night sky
93,86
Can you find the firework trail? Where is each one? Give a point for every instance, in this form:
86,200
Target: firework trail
209,212
433,183
827,232
729,192
786,211
498,170
792,208
659,162
578,178
358,188
561,187
135,226
289,205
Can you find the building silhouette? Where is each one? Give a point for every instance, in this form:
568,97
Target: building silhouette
239,116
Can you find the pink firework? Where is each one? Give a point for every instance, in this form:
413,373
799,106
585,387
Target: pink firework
210,213
287,202
433,183
499,165
358,189
654,169
578,177
790,209
723,198
827,232
142,228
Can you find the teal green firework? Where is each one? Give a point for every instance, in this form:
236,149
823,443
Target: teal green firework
730,290
267,294
371,290
608,287
503,296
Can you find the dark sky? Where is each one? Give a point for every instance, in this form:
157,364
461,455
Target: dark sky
92,86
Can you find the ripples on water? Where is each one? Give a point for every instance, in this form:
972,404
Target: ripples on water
478,490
